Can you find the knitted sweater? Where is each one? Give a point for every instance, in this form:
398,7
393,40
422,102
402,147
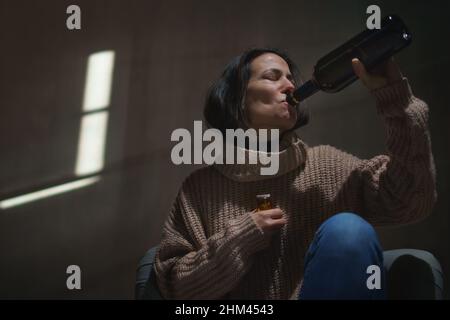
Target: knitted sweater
211,247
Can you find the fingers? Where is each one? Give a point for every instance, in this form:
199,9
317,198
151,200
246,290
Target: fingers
393,70
359,69
269,220
370,80
272,225
274,217
273,213
277,223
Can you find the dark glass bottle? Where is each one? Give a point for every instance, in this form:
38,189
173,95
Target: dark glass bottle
263,202
334,71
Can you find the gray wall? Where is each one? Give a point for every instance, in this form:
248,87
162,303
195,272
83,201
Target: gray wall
167,54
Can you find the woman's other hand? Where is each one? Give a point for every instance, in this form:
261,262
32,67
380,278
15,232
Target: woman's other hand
382,75
269,220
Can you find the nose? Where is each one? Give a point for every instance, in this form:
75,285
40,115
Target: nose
288,86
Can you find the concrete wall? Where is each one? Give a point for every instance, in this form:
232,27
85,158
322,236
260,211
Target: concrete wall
167,54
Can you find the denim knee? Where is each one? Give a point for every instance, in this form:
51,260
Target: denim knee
348,233
338,258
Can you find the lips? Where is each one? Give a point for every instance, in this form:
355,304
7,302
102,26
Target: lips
285,104
292,110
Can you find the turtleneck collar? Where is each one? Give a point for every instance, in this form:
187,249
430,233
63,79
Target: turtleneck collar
292,154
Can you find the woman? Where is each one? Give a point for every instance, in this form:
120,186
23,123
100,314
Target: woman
318,243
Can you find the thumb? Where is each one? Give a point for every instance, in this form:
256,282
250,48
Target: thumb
359,70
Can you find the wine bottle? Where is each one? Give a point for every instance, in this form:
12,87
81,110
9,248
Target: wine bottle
334,71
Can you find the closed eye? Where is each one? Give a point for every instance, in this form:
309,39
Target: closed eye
275,74
271,76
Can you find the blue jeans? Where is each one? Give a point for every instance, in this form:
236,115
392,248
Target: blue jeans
337,261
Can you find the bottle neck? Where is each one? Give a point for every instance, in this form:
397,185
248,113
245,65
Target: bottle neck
304,91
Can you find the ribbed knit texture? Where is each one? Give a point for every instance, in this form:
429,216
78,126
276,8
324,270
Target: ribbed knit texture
212,249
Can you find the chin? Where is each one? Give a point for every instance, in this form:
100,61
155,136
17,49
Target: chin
286,126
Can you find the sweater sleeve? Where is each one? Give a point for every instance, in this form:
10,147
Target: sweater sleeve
190,266
399,187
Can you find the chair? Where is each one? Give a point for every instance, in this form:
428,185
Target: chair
146,287
411,274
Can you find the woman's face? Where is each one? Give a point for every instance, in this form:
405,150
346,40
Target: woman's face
265,100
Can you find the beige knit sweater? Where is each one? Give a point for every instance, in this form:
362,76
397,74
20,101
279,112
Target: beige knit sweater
212,249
